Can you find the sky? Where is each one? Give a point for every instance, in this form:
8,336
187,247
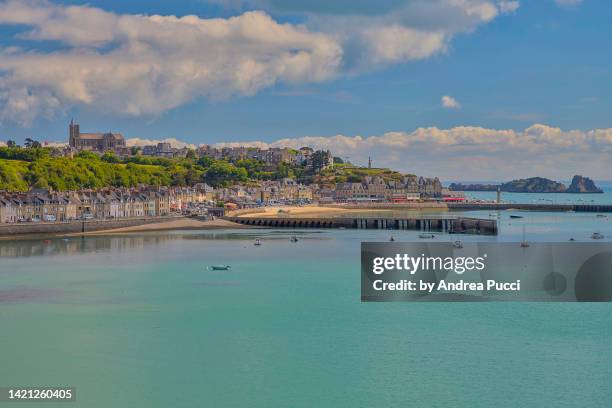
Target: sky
460,89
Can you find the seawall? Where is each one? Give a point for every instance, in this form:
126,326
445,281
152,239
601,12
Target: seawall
531,207
451,225
71,227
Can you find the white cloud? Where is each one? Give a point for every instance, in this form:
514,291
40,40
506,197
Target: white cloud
508,6
568,3
145,65
148,142
135,65
474,153
414,30
450,102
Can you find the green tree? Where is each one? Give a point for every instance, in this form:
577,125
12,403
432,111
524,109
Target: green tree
110,157
222,173
282,171
205,161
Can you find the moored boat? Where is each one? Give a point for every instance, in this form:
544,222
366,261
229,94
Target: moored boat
220,267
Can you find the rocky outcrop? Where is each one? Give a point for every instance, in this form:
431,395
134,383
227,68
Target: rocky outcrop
582,184
533,185
579,184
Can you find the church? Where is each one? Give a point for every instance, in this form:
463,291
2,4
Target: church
97,142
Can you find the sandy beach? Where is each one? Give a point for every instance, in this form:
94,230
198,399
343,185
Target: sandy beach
178,224
320,211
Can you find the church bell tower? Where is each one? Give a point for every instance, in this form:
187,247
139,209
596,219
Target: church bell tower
74,133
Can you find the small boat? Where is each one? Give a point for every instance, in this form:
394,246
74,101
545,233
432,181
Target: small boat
458,244
220,267
601,215
597,235
294,238
424,236
392,239
572,239
257,242
516,216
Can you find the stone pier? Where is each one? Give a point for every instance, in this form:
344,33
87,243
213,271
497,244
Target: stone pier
449,225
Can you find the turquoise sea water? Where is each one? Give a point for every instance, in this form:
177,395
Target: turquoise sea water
138,321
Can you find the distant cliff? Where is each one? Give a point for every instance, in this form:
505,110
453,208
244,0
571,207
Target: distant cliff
582,184
579,184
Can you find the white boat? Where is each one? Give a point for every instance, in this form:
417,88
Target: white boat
392,239
294,238
458,244
425,236
257,242
597,235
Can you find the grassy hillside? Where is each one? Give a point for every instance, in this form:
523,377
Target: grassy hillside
342,173
21,169
12,175
70,174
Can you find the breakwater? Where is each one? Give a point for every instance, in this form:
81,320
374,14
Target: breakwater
441,224
531,207
76,226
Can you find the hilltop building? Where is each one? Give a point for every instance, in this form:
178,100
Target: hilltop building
96,142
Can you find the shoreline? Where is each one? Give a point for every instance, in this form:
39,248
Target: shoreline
174,225
145,225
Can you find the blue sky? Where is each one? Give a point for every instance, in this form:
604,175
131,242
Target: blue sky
506,66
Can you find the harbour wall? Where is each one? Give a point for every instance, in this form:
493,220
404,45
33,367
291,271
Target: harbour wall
478,206
71,227
531,207
450,225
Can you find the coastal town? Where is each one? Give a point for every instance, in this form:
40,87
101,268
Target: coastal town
42,203
96,176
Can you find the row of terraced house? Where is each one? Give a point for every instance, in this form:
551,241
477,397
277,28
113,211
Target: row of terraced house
48,206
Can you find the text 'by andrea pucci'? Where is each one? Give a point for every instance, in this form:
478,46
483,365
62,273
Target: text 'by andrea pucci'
457,270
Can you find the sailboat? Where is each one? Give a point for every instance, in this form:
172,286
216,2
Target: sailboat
524,243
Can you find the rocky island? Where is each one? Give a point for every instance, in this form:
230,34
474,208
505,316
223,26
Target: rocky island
582,184
579,184
533,185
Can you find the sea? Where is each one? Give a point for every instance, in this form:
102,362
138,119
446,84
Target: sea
141,320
